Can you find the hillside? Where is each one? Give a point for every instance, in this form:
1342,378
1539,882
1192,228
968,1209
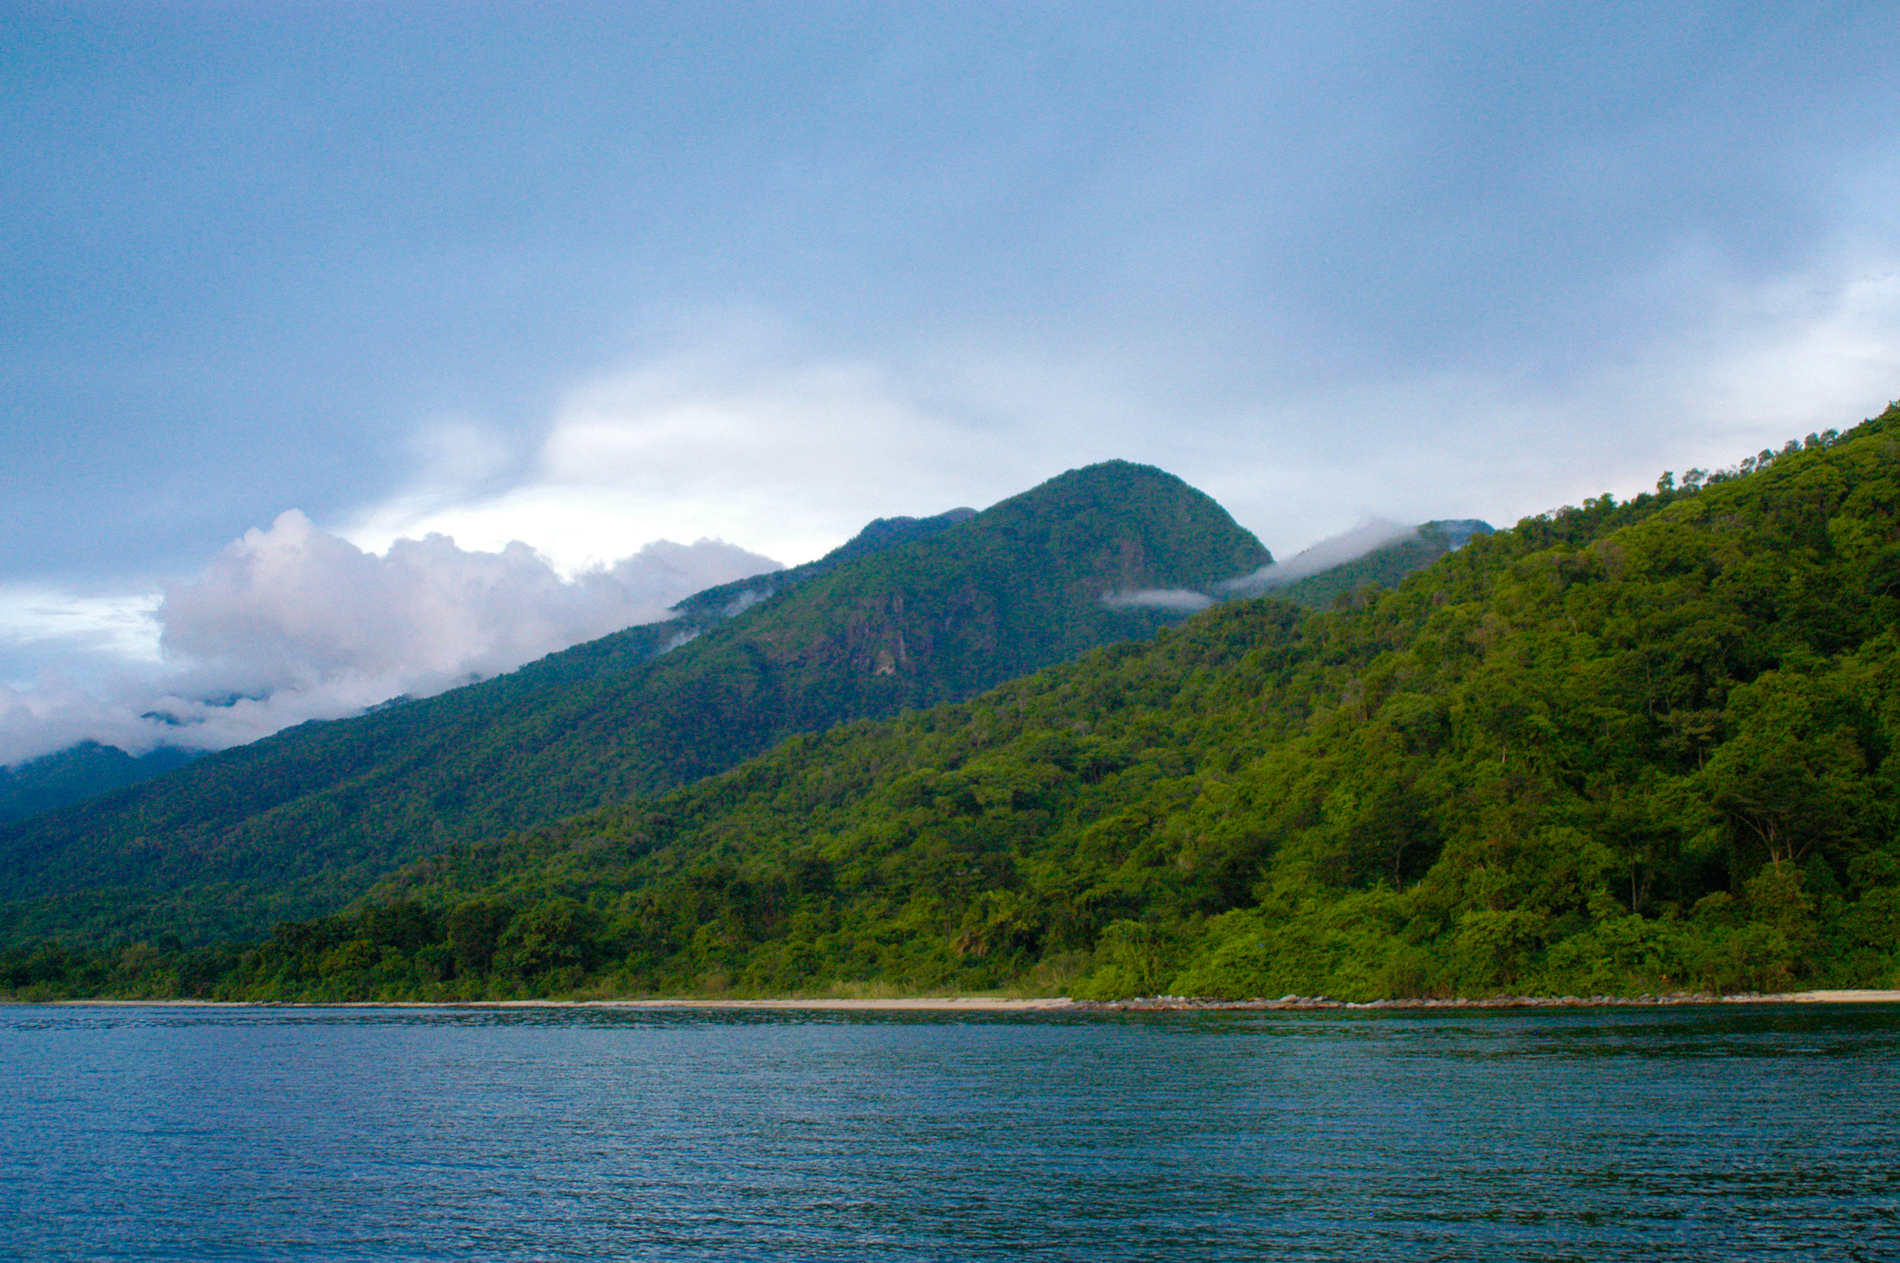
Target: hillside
1623,748
305,821
77,773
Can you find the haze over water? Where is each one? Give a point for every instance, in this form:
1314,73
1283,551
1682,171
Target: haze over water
260,1133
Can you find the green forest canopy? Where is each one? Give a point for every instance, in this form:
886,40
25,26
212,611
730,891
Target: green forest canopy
1619,748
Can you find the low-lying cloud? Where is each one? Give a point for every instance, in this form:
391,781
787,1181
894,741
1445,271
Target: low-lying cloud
292,623
1336,550
1184,600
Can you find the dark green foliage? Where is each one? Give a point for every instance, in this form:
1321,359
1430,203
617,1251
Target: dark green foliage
914,614
77,773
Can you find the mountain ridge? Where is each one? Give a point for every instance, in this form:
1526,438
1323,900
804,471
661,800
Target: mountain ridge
310,817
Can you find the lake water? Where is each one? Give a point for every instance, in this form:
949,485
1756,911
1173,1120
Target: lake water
1687,1133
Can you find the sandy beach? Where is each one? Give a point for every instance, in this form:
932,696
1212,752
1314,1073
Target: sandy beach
1820,997
911,1003
1060,1004
907,1004
1167,1004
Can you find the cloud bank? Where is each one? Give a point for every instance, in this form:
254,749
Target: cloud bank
746,436
292,623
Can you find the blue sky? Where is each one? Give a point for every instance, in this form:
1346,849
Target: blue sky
589,277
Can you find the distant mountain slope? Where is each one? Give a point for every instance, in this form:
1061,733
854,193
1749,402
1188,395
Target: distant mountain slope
307,819
77,773
1622,748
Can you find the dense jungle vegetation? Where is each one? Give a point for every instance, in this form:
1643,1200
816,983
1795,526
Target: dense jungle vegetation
1620,748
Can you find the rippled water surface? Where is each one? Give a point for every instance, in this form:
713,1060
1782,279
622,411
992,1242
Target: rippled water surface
1706,1133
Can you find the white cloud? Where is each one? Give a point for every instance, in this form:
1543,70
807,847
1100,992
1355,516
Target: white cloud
115,626
54,713
742,441
292,623
293,605
1181,600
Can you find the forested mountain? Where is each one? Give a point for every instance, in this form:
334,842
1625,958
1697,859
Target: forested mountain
1623,747
89,769
77,773
917,614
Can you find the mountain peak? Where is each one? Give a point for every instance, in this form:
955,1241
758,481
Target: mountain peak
1172,534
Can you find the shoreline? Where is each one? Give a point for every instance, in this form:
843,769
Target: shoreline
1053,1004
1291,1003
903,1004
